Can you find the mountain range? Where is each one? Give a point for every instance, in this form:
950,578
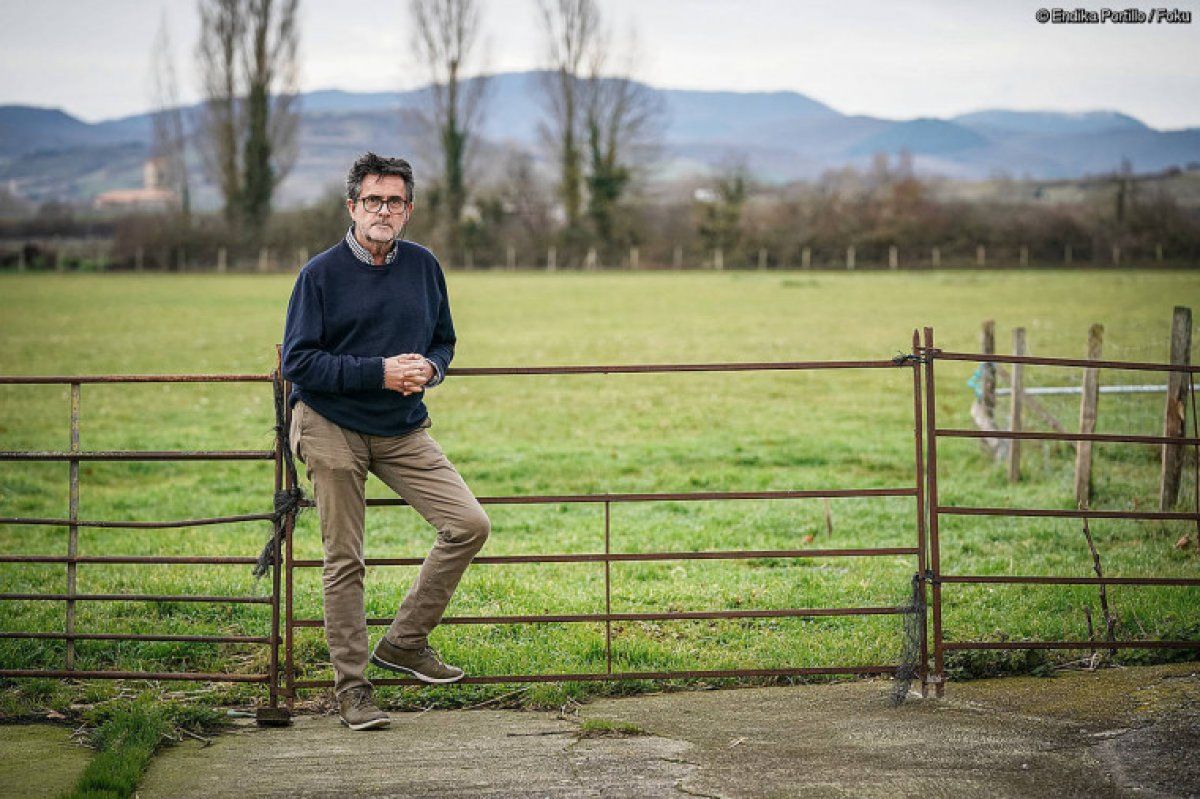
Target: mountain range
779,137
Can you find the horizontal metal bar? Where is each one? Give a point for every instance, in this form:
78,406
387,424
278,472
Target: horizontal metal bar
157,559
1143,366
213,639
672,367
1052,390
600,557
69,379
135,675
1039,436
132,455
646,616
251,517
628,675
254,600
1040,580
551,499
1071,645
958,510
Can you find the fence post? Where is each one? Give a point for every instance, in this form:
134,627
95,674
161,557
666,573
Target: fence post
677,260
1024,255
264,259
510,256
937,257
806,258
139,259
1014,418
1116,255
552,260
469,260
590,262
634,259
980,255
718,259
1158,253
762,257
73,530
1174,415
1087,418
850,257
301,257
893,257
1067,254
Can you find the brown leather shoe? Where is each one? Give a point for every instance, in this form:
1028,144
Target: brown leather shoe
358,712
424,664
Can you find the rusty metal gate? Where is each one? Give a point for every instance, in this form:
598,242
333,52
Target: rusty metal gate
281,680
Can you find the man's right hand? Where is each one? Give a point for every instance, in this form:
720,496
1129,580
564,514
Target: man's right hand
404,373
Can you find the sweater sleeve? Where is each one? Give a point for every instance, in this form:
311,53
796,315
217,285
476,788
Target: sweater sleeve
441,346
306,363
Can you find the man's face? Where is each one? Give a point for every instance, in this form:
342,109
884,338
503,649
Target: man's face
384,225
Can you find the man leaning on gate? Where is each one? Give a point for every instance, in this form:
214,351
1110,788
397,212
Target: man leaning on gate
368,331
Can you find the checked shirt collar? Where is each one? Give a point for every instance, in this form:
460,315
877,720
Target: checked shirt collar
360,252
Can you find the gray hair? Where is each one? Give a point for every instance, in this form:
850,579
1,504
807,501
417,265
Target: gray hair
371,164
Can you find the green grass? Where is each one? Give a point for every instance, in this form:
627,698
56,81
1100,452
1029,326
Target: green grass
126,734
596,433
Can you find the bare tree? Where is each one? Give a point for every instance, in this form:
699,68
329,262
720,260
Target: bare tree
447,32
269,56
247,58
622,119
571,27
220,123
169,143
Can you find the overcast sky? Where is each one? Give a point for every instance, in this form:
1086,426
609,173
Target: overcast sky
891,58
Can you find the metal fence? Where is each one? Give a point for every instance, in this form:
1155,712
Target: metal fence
281,678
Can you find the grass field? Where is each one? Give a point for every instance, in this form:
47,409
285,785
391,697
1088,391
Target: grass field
595,433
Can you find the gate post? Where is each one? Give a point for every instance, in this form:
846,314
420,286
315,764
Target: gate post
920,601
934,572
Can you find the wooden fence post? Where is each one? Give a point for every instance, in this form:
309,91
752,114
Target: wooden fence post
1024,255
222,260
677,258
264,259
937,257
552,259
511,258
1175,414
1067,254
980,256
634,258
983,409
1087,418
850,257
1116,255
893,257
762,257
590,259
718,259
1014,417
806,258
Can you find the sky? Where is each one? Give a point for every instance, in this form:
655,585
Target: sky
898,59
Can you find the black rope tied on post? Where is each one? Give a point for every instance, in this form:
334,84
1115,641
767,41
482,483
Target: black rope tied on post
907,357
288,501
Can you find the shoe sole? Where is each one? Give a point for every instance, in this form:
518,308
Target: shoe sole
373,724
383,664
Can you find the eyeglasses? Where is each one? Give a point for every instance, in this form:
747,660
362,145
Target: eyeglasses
374,203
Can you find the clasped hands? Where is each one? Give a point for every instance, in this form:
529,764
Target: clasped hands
407,373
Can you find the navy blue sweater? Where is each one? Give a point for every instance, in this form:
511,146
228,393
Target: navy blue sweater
346,316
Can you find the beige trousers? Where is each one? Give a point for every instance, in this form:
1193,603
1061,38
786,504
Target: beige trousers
414,466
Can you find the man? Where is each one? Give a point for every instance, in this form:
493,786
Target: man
368,330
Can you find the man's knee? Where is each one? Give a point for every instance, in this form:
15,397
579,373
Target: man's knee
340,572
471,528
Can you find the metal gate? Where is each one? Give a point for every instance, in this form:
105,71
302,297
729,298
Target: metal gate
281,680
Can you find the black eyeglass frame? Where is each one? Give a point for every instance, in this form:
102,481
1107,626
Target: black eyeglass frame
395,203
